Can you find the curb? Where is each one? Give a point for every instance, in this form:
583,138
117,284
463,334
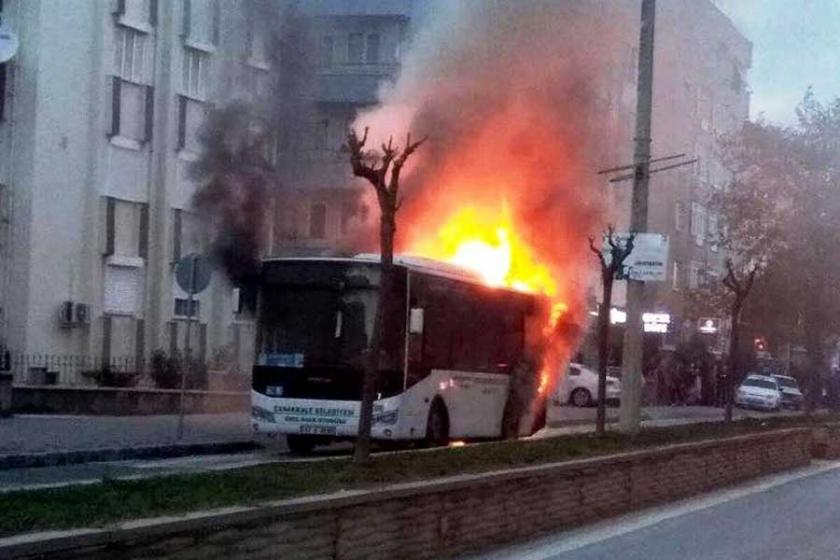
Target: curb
75,457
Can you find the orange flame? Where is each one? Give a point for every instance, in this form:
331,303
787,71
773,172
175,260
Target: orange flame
486,241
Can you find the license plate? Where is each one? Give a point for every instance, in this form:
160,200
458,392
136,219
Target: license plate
317,430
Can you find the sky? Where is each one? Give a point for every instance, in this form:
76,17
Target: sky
796,44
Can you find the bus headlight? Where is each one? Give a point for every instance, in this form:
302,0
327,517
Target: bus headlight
262,414
389,418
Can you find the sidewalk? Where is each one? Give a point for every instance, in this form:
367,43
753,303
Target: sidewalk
568,419
54,436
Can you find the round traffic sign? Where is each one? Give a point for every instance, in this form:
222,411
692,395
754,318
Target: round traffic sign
190,281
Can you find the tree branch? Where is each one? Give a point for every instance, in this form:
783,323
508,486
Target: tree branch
357,161
409,149
598,253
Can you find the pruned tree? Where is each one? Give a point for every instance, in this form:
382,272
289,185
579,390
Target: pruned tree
740,285
382,170
610,267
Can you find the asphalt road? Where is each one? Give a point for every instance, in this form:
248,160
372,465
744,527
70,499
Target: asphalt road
793,516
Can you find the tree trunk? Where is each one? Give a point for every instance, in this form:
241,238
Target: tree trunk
734,358
387,231
603,353
813,338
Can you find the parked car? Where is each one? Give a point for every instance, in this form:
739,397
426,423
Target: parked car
759,391
579,386
792,396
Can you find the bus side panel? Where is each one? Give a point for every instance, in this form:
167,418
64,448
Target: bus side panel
475,401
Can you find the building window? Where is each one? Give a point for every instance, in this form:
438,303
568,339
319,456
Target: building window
187,234
191,114
137,13
355,48
372,49
676,276
130,54
194,73
201,22
318,221
327,50
184,309
698,223
123,290
695,276
126,228
679,216
132,102
714,234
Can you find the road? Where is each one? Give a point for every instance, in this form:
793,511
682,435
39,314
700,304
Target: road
792,516
39,433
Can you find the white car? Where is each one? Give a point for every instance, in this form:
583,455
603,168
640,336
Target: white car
792,396
759,391
579,386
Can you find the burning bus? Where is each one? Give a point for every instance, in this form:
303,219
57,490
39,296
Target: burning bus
454,363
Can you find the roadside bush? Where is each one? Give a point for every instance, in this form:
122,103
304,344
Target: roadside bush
166,371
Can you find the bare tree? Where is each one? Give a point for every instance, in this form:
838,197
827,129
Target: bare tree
382,171
618,253
740,289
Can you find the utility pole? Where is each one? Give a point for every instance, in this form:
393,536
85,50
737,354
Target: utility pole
631,385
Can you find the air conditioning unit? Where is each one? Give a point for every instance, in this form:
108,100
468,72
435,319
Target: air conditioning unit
81,313
65,314
73,314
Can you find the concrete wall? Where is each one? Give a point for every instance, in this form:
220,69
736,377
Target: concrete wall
440,518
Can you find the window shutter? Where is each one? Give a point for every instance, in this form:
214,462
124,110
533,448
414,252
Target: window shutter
110,214
176,235
143,248
150,113
153,12
116,87
182,122
215,7
187,18
106,340
140,345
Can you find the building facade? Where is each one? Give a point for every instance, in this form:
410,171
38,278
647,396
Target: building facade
98,129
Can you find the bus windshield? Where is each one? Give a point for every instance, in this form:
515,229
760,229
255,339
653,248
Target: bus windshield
315,326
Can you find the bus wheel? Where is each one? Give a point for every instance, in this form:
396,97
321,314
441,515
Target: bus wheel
300,445
437,426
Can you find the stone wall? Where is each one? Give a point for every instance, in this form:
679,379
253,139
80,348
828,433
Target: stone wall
114,401
439,518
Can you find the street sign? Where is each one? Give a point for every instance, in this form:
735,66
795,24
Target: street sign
708,325
8,43
649,260
184,273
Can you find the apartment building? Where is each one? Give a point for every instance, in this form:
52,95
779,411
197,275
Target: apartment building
102,104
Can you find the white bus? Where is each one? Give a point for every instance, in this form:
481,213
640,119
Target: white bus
450,350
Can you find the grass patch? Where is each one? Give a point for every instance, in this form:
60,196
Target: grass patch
115,500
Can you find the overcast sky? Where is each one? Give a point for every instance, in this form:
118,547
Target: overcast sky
796,43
